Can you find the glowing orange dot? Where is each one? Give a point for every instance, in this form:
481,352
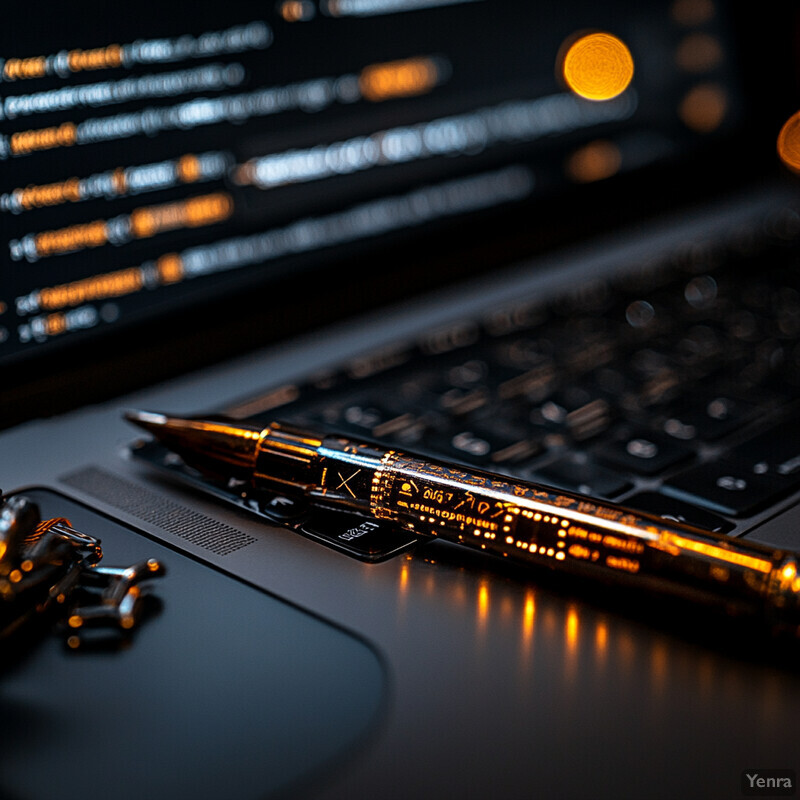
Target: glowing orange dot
698,52
704,107
593,162
789,143
572,628
527,618
296,10
189,168
597,66
692,12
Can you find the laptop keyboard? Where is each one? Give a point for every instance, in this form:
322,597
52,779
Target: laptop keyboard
671,389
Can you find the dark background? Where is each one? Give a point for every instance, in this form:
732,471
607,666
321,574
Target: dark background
509,56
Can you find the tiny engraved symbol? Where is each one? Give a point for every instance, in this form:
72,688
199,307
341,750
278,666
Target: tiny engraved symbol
344,481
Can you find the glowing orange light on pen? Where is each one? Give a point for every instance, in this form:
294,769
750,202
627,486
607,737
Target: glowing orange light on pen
712,551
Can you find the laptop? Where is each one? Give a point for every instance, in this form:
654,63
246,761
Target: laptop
438,225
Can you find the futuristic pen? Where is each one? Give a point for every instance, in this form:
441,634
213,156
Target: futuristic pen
522,522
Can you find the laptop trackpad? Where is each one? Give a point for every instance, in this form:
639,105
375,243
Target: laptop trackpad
226,692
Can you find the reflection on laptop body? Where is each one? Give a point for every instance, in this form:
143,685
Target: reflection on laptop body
613,308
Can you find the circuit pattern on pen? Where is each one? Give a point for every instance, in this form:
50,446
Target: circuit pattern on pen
531,524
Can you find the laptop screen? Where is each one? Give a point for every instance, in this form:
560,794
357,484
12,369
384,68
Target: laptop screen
159,154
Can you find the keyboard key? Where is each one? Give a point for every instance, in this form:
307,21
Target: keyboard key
468,446
486,444
644,453
588,420
278,508
726,487
468,373
673,509
774,453
520,316
577,412
457,401
709,418
365,539
367,419
660,389
578,473
535,384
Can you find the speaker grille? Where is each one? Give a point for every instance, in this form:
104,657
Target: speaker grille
157,510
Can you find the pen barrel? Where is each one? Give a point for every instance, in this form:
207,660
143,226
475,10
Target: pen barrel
530,524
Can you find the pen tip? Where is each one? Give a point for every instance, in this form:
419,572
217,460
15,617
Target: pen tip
208,444
144,419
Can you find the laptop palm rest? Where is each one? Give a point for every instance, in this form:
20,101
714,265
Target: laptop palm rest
225,692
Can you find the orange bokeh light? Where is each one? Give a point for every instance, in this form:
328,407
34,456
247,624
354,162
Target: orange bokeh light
597,66
594,162
704,107
789,143
692,12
